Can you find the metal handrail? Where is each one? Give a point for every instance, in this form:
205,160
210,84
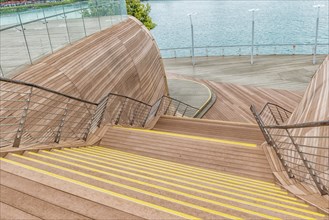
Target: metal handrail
19,82
240,45
301,125
285,131
128,111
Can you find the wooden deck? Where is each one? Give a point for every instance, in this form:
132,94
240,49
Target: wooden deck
276,71
233,101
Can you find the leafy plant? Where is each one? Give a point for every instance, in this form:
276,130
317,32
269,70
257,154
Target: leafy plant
141,12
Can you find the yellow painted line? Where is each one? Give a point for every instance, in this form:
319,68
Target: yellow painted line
108,192
161,163
190,168
122,167
143,166
190,137
187,204
183,193
175,185
191,174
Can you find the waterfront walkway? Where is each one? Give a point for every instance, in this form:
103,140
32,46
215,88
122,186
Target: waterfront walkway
290,72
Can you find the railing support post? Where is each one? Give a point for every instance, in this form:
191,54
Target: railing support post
47,28
96,121
176,109
67,27
60,127
168,107
121,110
24,35
319,185
269,140
20,129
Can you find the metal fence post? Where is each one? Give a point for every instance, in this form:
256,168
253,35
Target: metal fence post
307,165
83,20
168,107
184,111
177,109
21,125
269,140
67,27
24,35
1,71
121,110
60,127
46,23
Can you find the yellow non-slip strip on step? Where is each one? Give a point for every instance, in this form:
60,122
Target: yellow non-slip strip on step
235,208
108,192
155,195
207,179
244,144
176,166
126,166
172,184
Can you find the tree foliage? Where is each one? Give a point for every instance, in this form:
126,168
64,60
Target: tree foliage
141,12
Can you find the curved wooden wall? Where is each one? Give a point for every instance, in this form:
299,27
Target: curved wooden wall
313,107
123,59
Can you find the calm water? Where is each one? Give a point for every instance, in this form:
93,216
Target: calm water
229,22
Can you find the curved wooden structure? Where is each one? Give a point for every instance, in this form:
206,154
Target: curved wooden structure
123,59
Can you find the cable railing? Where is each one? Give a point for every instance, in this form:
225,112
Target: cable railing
242,50
32,114
303,153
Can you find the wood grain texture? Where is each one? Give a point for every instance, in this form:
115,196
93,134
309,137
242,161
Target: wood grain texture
313,107
123,59
233,101
234,159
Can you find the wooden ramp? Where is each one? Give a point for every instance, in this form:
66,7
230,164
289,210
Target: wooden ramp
103,183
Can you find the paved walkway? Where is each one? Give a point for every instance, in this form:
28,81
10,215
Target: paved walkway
190,92
290,72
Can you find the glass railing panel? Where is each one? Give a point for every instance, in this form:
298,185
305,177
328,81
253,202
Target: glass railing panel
58,31
13,50
37,38
75,25
91,19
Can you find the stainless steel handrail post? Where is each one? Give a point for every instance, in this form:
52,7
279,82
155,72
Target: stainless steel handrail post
61,124
24,35
270,140
177,109
83,20
184,111
67,27
103,111
21,125
319,185
46,23
121,110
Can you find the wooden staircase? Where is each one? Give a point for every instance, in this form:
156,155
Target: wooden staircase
103,183
238,131
232,155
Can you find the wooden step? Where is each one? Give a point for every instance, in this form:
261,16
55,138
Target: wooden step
10,212
145,187
59,198
234,158
238,131
34,206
